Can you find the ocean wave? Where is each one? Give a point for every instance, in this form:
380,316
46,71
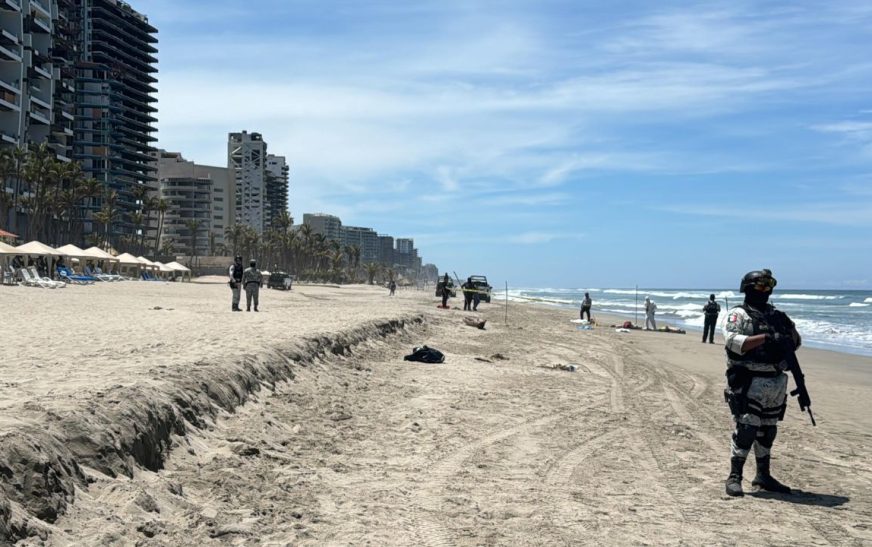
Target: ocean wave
804,297
868,300
857,305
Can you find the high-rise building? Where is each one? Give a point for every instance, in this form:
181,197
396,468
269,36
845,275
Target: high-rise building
327,225
277,179
114,99
194,192
386,250
246,161
187,222
36,54
366,240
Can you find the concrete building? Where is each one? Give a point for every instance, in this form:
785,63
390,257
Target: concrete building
246,161
172,172
115,77
277,180
327,225
366,240
386,250
35,78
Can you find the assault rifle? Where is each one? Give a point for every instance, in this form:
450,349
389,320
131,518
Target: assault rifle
799,379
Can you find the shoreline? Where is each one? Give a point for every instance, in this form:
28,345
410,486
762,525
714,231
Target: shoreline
818,345
348,443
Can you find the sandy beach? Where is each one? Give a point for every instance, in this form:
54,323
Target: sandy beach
148,414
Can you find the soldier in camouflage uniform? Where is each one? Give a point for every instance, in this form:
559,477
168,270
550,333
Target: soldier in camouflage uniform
252,279
757,338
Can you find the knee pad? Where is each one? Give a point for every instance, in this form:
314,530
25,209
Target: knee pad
744,436
766,435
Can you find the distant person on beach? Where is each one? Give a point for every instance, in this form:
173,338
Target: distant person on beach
586,303
476,298
467,294
650,308
393,287
711,310
235,272
758,340
252,280
446,291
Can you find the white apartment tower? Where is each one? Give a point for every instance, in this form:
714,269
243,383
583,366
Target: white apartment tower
246,162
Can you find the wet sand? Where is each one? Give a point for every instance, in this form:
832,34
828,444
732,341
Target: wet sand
344,443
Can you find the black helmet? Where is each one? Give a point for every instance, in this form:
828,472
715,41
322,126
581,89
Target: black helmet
239,258
252,262
758,277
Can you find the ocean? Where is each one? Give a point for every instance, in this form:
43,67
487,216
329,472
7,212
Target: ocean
826,319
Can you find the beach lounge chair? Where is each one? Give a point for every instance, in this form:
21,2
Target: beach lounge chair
32,281
8,276
73,277
107,275
89,271
26,279
47,281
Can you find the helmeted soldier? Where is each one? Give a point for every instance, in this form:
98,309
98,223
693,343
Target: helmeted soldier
252,279
758,340
235,272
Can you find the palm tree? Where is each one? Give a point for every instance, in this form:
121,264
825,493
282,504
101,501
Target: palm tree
40,173
137,218
88,190
19,156
234,234
140,196
193,226
7,168
372,269
161,207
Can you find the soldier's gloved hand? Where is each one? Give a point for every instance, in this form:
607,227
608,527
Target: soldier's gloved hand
784,342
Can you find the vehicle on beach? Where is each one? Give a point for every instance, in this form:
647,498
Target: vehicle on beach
452,291
280,280
479,283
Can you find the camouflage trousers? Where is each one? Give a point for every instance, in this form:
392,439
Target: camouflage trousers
758,425
252,291
236,294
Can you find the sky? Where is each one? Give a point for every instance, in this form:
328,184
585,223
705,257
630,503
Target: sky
551,143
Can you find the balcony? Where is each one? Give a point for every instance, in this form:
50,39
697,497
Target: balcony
10,5
40,114
10,53
10,101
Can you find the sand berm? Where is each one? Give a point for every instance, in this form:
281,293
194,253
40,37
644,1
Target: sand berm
149,414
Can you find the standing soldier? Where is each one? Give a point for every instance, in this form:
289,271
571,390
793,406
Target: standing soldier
235,273
711,310
760,342
252,280
585,307
467,288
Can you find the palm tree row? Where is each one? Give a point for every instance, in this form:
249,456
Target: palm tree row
308,255
59,200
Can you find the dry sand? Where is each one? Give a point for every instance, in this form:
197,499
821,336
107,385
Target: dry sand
189,425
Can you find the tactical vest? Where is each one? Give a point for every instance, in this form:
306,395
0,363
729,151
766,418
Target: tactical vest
237,272
711,308
767,322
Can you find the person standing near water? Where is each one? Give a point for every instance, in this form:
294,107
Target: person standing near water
758,340
711,310
586,303
650,308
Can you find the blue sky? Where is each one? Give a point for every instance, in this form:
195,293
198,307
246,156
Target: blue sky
551,143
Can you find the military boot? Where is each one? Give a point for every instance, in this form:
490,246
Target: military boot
734,481
765,481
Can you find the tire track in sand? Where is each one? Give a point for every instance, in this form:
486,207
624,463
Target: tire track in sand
426,513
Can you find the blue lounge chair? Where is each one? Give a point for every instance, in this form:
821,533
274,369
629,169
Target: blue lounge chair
73,277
